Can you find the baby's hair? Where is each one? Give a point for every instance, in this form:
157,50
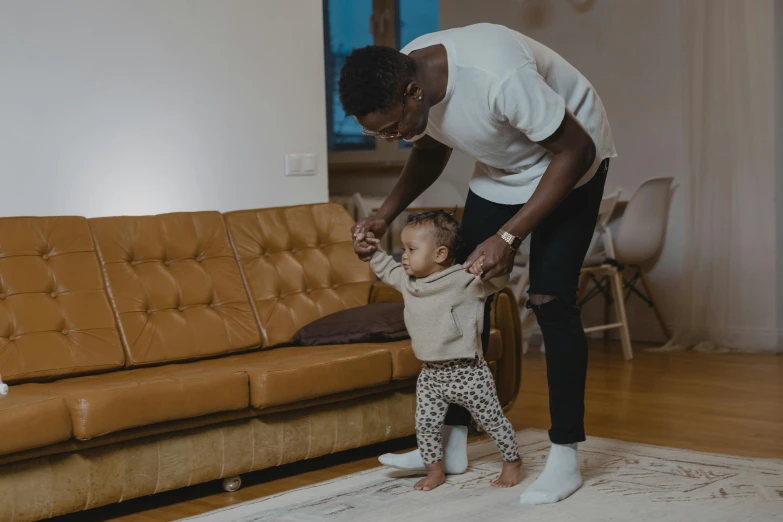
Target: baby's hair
446,229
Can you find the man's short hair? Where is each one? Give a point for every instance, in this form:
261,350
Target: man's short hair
374,78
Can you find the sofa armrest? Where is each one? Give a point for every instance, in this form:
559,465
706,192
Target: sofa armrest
506,319
383,293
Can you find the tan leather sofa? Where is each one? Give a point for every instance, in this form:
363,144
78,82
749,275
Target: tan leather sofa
137,350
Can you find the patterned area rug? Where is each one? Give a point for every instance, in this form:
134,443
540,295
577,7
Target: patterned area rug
623,481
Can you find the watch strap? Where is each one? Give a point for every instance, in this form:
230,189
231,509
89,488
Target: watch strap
512,240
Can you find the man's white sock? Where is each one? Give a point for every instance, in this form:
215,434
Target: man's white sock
455,453
559,480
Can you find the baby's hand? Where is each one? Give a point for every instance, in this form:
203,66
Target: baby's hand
372,247
477,268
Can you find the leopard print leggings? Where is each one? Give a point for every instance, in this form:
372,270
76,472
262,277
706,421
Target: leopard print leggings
469,383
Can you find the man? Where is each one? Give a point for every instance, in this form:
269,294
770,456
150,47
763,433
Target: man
542,143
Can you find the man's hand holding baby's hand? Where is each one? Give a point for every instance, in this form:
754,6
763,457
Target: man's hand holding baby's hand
477,268
498,258
366,234
368,245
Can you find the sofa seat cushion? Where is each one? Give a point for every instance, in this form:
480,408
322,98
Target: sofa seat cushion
31,418
287,375
405,365
103,404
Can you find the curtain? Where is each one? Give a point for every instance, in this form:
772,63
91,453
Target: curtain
729,294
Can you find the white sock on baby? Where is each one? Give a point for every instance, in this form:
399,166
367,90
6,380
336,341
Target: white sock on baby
455,453
559,480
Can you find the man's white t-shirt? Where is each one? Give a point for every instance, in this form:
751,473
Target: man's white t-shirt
505,93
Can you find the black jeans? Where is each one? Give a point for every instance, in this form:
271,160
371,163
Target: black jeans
557,249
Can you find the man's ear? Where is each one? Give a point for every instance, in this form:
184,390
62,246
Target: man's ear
441,255
413,90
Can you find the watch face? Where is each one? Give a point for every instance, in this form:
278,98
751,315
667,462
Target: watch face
511,239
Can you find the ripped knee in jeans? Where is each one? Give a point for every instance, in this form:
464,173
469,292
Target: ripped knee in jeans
539,299
552,308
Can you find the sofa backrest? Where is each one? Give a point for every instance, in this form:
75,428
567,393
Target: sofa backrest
55,316
299,265
175,285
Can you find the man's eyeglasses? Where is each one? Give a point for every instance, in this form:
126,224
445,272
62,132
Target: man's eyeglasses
386,134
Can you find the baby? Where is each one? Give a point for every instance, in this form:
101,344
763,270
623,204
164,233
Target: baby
444,312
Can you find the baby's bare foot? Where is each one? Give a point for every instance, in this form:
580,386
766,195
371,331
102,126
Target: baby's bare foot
510,475
436,475
431,481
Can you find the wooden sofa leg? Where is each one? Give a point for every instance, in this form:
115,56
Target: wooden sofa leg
232,484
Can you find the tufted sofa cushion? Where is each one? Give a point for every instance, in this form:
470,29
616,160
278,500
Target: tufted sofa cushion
55,317
299,265
175,284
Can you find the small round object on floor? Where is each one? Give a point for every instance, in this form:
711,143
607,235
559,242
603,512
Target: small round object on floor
232,484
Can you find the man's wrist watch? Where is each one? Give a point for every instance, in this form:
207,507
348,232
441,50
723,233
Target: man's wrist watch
512,240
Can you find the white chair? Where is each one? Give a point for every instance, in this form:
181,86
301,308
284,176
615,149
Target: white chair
441,194
605,276
601,244
641,234
609,279
345,201
601,248
366,204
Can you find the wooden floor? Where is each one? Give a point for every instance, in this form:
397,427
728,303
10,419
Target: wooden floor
719,403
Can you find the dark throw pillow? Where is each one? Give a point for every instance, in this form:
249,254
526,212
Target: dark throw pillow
373,323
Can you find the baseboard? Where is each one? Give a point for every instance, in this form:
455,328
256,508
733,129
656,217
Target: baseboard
742,340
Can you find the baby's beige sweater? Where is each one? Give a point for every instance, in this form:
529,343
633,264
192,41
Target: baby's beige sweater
444,312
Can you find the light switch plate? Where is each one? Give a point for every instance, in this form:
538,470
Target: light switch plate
309,164
301,165
293,165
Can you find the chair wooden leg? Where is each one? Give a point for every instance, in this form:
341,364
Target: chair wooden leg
619,309
583,280
649,292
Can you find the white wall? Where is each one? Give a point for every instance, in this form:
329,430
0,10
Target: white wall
113,107
779,144
631,51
